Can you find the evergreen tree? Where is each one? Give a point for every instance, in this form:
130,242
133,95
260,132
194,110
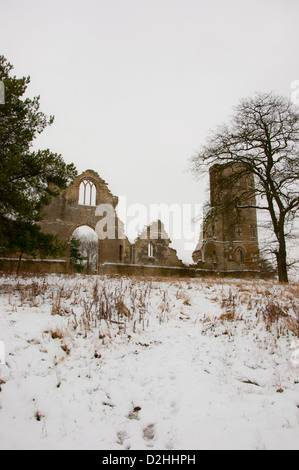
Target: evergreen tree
76,257
28,239
28,178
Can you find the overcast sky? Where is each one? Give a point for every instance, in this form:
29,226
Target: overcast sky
135,85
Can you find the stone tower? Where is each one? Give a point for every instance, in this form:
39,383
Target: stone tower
229,240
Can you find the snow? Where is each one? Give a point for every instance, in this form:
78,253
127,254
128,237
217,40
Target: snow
175,365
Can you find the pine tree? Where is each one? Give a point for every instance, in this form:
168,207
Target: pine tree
28,178
76,257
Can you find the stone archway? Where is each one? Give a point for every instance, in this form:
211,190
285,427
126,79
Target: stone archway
88,248
72,209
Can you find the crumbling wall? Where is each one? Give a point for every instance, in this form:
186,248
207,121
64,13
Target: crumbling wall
69,211
152,247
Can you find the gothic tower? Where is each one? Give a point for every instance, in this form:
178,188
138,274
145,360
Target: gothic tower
229,240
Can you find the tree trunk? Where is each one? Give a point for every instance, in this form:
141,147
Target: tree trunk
282,267
279,230
281,256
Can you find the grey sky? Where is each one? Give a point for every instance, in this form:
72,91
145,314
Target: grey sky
135,85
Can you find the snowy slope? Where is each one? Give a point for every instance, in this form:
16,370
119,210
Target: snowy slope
115,363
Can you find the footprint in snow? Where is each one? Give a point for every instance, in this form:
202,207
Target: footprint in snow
134,414
149,432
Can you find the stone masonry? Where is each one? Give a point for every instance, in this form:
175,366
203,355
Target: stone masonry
229,241
83,203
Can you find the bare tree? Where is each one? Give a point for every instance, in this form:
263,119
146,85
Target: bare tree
262,139
89,251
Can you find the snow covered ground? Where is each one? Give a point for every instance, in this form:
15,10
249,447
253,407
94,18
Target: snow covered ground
126,363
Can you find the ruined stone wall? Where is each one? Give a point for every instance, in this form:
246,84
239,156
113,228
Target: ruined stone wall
73,209
152,247
229,243
10,265
147,271
65,213
69,211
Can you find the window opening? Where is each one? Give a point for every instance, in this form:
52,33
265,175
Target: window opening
87,193
150,250
240,255
239,231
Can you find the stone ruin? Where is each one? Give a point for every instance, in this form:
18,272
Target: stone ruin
89,202
228,245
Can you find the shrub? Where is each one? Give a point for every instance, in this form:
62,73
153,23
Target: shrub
271,313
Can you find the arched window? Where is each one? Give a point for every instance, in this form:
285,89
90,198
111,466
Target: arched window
87,193
240,257
150,250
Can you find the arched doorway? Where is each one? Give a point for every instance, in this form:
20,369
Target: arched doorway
84,250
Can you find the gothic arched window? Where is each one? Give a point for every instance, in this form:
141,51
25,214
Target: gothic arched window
87,193
240,257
